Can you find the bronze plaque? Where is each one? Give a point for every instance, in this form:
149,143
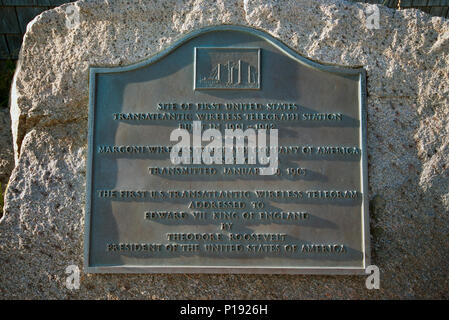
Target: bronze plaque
147,212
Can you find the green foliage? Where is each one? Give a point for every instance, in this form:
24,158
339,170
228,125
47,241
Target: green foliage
7,68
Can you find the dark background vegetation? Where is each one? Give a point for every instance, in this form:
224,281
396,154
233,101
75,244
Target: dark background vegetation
7,68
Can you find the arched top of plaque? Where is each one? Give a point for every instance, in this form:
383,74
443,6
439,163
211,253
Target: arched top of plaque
223,29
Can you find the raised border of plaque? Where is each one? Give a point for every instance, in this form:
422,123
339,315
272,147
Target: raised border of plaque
365,236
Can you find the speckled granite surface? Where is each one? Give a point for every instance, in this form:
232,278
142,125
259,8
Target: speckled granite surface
407,62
